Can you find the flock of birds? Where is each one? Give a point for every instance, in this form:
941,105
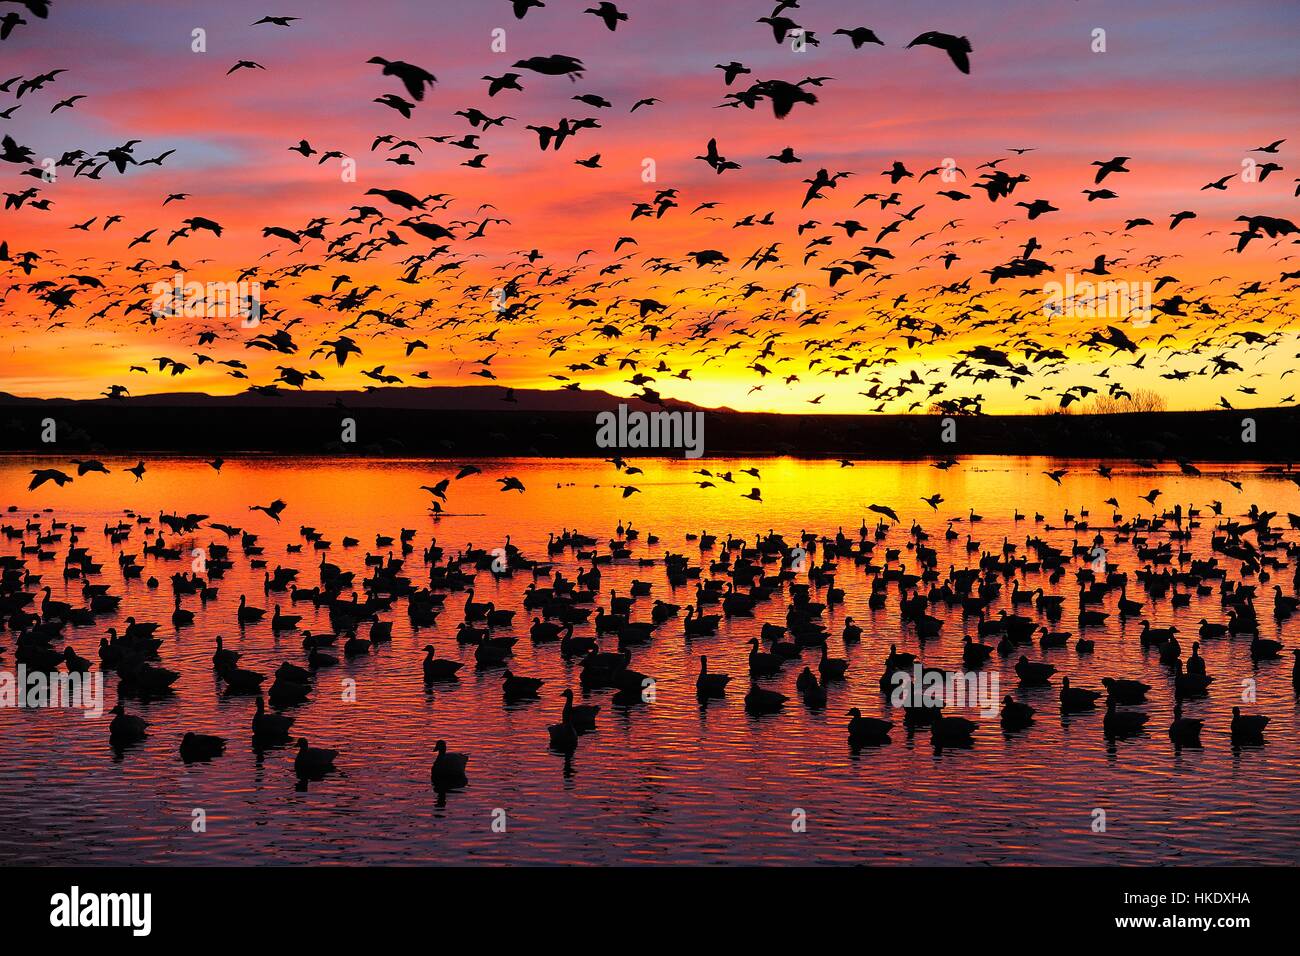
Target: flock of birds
1014,593
394,271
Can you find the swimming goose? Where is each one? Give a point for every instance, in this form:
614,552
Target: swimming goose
293,672
318,658
706,625
286,692
867,730
1186,685
762,664
1209,630
74,662
493,651
973,653
1077,698
581,716
125,728
448,770
710,685
1248,726
831,668
1052,639
813,691
1121,723
519,688
759,700
1185,730
951,730
1262,649
240,680
313,759
852,633
283,622
1155,635
201,747
355,646
439,669
564,737
1126,691
222,658
180,616
1015,715
248,615
267,725
1033,672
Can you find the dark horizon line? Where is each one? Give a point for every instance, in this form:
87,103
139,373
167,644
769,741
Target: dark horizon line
565,400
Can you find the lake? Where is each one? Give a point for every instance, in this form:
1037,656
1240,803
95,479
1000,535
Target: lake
674,780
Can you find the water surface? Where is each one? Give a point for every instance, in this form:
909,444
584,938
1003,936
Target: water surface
667,782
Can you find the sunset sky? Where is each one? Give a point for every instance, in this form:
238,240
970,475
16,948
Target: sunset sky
1185,90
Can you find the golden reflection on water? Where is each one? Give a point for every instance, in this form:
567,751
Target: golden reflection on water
663,782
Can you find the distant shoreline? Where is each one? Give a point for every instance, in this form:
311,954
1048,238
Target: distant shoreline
458,422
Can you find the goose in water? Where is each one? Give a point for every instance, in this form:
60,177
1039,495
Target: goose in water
316,658
125,728
1077,698
1188,685
564,737
196,747
831,668
269,726
1033,672
1155,635
287,692
852,633
762,664
1122,723
1014,715
1262,649
974,654
1126,691
581,716
813,691
1053,639
951,731
519,688
355,646
1248,727
74,662
760,700
1209,630
710,685
313,759
437,668
1185,730
867,730
180,616
283,622
448,770
706,625
249,615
